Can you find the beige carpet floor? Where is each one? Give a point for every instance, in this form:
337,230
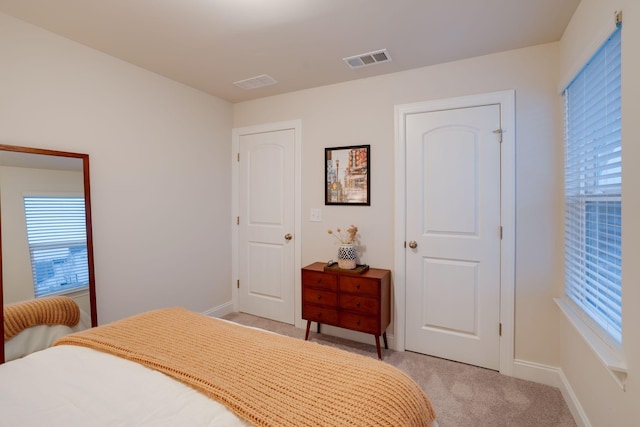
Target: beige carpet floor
462,395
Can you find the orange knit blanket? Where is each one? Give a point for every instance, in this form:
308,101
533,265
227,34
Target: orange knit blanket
43,311
266,379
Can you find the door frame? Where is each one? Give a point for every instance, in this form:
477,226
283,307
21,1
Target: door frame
506,100
296,126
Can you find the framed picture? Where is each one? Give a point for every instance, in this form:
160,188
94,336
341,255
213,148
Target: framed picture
347,175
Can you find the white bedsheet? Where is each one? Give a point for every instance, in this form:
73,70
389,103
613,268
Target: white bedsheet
76,386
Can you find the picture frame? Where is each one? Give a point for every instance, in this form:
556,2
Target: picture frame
347,175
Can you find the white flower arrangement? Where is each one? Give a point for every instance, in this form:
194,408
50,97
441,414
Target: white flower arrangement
348,238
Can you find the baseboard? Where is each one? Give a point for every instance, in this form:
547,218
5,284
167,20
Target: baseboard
576,409
552,376
536,372
221,310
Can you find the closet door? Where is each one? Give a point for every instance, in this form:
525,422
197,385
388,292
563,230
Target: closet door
453,233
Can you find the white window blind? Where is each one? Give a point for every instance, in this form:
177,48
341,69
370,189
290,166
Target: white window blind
593,189
56,233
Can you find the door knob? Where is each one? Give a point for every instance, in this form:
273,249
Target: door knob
413,244
288,236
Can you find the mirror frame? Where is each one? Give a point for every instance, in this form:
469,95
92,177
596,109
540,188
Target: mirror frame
87,204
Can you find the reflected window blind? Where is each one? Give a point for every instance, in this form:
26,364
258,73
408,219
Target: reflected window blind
593,188
56,233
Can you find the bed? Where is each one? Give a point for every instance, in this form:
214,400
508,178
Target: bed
36,324
174,367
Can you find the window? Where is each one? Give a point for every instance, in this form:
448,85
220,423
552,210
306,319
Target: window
56,233
593,190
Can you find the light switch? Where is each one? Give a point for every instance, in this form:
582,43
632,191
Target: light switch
316,215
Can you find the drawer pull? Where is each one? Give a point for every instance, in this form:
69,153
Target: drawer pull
319,314
358,286
319,297
358,322
358,304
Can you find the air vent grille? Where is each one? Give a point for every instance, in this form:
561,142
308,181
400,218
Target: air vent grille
366,59
256,82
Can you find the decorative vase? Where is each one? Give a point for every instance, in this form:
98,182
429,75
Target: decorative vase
347,257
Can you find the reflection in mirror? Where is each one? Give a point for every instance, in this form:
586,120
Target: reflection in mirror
45,230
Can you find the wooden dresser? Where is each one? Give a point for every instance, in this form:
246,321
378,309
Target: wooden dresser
360,302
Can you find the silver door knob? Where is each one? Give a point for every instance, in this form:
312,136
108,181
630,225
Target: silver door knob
413,244
288,236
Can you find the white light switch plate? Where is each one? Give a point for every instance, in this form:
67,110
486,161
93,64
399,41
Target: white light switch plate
316,215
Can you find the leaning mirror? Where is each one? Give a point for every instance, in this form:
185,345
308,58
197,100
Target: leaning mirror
46,244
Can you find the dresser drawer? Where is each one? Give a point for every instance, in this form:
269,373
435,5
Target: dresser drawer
360,302
362,323
319,280
320,314
354,302
359,285
317,296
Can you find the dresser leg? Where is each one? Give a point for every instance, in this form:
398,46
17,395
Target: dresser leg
378,347
306,336
384,336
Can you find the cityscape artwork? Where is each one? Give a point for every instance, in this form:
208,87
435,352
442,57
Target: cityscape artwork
347,175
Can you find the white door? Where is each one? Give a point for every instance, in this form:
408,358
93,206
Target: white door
453,220
266,220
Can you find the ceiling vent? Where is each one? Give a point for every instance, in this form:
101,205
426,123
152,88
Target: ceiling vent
366,59
256,82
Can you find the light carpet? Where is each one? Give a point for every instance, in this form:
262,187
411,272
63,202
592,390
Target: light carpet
462,395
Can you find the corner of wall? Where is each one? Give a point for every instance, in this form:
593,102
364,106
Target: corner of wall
554,377
220,311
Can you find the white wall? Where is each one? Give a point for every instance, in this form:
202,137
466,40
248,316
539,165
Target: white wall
602,401
362,112
160,170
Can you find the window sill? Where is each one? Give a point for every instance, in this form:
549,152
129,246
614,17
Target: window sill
610,358
73,292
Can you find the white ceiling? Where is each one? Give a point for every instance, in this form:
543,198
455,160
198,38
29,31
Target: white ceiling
209,44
